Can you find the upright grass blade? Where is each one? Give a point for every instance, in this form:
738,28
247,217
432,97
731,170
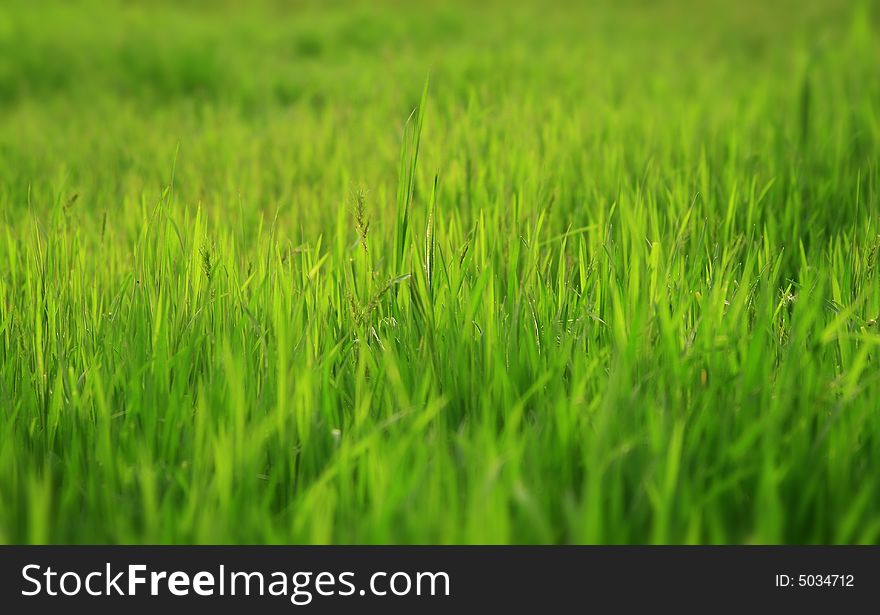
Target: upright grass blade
409,157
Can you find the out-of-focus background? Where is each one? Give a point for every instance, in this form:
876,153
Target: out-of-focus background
286,105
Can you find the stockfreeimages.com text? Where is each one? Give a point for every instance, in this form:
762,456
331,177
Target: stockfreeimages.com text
300,587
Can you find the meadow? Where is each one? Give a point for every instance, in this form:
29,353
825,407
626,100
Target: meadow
422,272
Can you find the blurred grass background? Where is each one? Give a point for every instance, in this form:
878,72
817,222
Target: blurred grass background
286,105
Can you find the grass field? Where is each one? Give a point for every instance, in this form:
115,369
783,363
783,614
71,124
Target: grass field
615,280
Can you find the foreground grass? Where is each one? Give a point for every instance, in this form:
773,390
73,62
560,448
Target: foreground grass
616,279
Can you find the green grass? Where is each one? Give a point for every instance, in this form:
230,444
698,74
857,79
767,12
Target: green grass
616,280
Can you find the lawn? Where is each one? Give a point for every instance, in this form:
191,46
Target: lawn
423,272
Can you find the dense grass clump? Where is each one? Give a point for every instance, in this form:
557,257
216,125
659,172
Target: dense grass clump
616,279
